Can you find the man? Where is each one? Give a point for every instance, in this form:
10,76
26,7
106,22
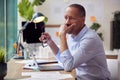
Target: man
82,49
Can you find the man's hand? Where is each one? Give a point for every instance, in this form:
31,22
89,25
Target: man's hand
45,38
66,29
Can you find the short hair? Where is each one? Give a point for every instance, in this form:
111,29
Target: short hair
80,8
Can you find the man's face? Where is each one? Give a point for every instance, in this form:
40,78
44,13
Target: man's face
72,16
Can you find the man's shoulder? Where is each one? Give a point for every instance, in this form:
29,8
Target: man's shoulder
90,33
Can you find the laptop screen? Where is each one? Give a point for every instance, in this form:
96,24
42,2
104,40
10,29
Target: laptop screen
32,32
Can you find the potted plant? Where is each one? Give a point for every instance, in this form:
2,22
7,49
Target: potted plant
95,26
26,8
3,64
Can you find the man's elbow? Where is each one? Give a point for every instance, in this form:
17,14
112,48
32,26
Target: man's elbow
68,68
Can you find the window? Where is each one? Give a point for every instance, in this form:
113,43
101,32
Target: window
8,25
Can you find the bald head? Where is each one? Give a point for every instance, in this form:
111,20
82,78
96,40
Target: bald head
80,8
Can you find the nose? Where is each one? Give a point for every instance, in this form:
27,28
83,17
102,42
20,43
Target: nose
67,22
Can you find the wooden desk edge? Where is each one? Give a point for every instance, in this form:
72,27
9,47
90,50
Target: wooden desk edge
111,56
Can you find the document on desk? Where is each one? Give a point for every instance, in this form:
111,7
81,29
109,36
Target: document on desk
32,73
38,61
45,76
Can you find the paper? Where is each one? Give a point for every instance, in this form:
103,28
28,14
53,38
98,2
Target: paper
30,61
51,76
31,73
45,75
37,79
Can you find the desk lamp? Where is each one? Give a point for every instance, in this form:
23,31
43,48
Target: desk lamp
37,17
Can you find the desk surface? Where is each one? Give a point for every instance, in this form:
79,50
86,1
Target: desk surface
15,69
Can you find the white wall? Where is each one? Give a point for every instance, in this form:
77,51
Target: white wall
101,9
113,68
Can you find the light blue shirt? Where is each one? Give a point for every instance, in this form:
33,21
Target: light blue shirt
85,53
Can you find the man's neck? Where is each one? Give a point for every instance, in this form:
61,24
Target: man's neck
78,31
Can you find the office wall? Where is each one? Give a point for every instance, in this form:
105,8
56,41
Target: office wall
101,9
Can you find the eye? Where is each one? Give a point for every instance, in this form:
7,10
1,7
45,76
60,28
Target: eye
66,17
71,18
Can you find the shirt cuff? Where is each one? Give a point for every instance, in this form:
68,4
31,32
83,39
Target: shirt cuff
57,56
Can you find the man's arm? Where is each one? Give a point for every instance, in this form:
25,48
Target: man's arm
46,38
63,43
53,47
64,29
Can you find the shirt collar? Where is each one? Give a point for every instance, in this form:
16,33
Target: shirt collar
80,34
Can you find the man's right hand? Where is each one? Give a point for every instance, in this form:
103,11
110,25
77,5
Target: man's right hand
45,38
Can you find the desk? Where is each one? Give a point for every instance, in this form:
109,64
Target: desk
15,70
108,56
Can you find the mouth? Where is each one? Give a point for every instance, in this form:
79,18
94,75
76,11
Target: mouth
68,24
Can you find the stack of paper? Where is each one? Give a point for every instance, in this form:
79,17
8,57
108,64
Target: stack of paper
45,76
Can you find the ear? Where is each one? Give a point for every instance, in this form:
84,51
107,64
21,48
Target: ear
83,19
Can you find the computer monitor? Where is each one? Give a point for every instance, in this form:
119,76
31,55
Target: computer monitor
32,32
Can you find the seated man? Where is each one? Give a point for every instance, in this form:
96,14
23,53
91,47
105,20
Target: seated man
82,50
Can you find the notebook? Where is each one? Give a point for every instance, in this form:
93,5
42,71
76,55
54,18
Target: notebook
50,67
45,66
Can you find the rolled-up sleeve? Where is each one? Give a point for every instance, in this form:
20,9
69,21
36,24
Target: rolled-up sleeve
62,57
67,60
57,56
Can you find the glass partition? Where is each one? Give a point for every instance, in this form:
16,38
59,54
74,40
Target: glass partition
8,25
2,24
